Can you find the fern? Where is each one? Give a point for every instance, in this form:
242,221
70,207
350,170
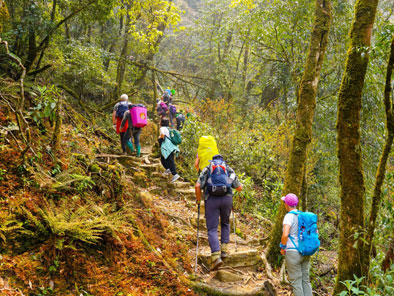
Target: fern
87,224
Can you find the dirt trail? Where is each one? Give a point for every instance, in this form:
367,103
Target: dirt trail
244,272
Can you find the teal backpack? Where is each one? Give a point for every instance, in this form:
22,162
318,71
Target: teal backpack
175,136
308,236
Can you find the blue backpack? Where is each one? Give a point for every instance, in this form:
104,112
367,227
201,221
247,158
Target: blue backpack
308,237
122,108
218,182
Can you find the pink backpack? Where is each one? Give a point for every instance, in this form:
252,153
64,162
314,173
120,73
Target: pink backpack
163,106
139,116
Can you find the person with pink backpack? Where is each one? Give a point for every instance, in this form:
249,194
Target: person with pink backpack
162,108
135,118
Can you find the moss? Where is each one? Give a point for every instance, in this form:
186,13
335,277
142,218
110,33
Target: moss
351,175
4,16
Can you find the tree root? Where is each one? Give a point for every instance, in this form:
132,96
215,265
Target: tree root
266,290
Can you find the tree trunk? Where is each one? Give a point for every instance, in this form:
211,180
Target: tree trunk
381,171
121,67
4,16
155,95
305,112
55,143
351,176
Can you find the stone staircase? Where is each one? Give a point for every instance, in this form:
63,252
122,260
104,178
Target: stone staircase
243,272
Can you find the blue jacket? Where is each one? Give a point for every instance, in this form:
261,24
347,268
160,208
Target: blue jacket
167,147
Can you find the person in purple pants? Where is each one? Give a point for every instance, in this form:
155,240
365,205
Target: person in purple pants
217,181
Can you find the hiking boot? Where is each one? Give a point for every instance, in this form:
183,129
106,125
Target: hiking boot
138,150
224,251
174,178
216,261
130,145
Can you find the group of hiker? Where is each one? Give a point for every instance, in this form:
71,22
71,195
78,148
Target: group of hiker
217,180
128,119
166,108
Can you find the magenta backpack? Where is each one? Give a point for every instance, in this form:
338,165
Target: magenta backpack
139,116
163,106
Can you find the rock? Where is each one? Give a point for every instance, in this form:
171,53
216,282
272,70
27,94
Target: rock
227,276
243,258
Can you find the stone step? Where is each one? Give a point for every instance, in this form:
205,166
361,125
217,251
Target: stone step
188,193
226,276
243,257
151,167
183,185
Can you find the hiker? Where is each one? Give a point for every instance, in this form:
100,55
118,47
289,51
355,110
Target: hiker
296,264
167,97
168,150
161,108
216,180
180,120
131,131
207,148
117,115
172,113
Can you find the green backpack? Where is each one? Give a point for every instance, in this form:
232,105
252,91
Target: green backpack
175,136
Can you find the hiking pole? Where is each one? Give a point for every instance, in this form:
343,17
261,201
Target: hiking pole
235,235
198,230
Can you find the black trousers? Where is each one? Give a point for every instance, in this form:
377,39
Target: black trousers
122,142
168,163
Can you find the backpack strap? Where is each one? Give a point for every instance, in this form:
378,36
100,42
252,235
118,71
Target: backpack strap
290,237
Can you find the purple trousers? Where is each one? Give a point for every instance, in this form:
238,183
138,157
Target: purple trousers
218,207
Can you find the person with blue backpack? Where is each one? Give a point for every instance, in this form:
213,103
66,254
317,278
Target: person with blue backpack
217,180
299,241
117,116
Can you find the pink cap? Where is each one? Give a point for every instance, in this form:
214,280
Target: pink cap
290,199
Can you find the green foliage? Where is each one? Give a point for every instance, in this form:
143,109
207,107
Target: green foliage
82,182
382,285
83,69
46,99
148,19
2,173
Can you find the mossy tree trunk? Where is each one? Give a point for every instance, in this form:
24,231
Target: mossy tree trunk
305,112
381,171
4,16
351,176
121,69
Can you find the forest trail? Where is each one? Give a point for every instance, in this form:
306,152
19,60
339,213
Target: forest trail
243,272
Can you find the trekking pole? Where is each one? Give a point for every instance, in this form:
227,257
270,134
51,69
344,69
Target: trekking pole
235,235
198,230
